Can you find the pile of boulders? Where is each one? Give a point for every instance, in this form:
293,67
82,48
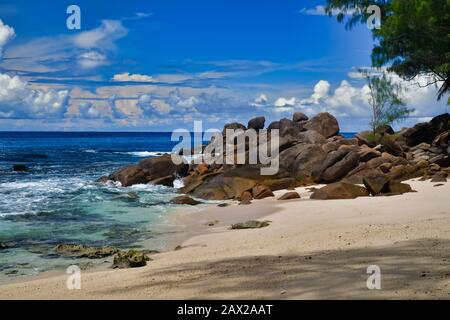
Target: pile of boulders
311,151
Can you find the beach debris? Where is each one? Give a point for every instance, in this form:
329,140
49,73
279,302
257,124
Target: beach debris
20,168
340,190
439,177
251,224
212,223
261,191
289,196
223,205
179,247
83,251
439,185
185,200
130,259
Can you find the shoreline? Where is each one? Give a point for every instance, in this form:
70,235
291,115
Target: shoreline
311,249
190,222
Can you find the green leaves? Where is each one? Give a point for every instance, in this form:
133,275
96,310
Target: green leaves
386,100
414,38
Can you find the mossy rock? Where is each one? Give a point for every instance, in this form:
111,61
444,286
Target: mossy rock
130,259
83,251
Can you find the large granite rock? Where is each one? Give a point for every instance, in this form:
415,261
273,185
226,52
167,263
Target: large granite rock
336,165
160,170
301,160
427,131
376,184
233,126
290,196
339,190
324,123
261,191
299,116
257,123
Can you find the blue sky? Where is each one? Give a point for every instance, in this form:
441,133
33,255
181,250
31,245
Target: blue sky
141,65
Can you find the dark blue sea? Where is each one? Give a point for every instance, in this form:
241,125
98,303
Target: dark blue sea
58,201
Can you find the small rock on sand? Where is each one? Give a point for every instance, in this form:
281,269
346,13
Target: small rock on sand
185,200
251,224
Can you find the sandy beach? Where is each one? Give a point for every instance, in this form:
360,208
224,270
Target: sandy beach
312,249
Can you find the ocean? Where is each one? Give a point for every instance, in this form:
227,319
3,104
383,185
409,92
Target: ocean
58,201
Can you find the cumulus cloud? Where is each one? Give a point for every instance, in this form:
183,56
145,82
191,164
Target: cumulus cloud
321,90
283,102
161,106
18,100
127,77
153,107
6,34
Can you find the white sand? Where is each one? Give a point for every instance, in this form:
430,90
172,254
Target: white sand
312,249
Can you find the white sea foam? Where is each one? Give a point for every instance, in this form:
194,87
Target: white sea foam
143,154
178,183
19,197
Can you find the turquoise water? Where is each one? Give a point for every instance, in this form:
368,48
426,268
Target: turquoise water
58,201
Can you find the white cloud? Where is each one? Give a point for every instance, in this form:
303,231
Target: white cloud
153,107
6,34
161,106
18,100
127,77
260,101
92,59
88,49
321,90
283,102
103,36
